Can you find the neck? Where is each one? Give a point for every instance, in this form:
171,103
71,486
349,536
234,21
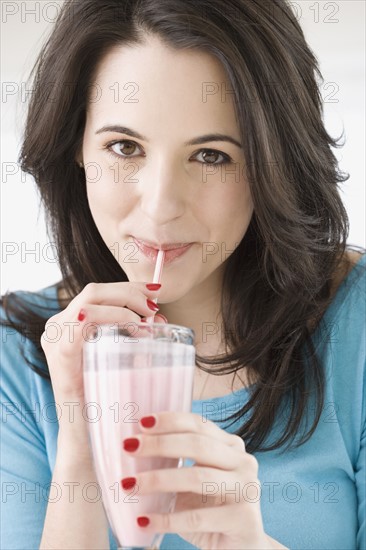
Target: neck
200,310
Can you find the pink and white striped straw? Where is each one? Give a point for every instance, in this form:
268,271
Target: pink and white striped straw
157,277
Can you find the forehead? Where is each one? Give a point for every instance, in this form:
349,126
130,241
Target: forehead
159,82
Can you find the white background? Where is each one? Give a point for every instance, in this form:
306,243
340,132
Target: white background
335,32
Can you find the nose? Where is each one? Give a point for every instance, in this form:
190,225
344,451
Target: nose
162,193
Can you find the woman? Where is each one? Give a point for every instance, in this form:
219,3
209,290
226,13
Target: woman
160,124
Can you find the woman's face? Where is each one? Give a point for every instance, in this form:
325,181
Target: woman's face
155,187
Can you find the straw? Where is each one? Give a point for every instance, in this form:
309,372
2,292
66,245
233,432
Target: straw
157,277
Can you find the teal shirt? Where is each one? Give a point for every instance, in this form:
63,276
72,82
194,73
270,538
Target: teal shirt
312,497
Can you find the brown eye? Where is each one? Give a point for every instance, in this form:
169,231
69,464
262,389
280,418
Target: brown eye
127,147
210,156
123,148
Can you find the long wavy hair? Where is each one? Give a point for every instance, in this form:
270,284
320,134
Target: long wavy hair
278,281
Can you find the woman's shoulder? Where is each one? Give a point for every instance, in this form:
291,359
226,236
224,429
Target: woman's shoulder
23,314
343,350
39,301
348,288
22,311
341,336
353,265
347,304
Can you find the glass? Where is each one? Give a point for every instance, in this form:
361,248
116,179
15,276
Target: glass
131,371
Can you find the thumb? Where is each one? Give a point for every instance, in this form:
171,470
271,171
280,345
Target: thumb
159,318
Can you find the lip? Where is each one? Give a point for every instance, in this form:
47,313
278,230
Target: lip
172,250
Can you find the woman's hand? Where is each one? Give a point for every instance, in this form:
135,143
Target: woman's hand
65,332
218,500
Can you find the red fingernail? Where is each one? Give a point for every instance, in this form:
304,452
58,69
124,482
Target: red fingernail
131,444
148,421
143,320
152,305
153,286
128,483
143,521
81,315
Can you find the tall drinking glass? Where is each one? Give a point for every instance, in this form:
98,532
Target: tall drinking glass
130,371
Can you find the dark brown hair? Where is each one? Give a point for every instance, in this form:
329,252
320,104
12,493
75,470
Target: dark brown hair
277,282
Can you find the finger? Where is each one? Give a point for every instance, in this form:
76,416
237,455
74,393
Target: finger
227,487
181,422
160,318
202,448
218,519
109,315
125,294
70,333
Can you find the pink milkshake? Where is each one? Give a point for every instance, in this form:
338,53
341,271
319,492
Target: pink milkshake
126,379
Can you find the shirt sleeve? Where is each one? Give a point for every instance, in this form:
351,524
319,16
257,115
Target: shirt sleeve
25,471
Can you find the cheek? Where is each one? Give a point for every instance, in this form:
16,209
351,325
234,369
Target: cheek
100,185
230,210
228,214
106,201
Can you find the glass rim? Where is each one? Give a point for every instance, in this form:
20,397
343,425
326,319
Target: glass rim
113,329
144,324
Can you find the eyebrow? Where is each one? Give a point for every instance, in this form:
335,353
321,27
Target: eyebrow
195,141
